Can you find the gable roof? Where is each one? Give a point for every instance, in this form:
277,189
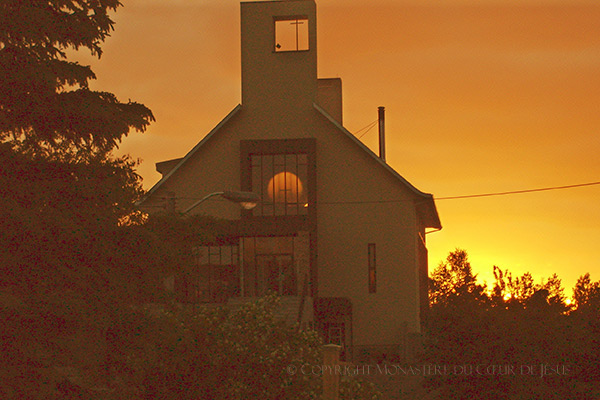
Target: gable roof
183,160
426,206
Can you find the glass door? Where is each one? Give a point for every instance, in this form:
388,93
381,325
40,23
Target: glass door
276,273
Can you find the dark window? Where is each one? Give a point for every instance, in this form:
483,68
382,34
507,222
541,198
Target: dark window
291,34
269,266
214,276
372,260
281,181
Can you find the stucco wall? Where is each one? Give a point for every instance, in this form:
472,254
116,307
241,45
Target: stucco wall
361,203
358,200
272,80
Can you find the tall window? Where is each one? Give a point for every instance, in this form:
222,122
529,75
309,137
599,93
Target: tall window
291,34
283,173
372,261
281,181
213,278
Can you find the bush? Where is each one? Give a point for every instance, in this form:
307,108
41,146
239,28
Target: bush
221,353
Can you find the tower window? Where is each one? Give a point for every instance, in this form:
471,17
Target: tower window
291,34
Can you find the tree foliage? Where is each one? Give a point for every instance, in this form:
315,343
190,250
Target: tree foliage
46,105
518,339
586,295
183,352
66,264
453,280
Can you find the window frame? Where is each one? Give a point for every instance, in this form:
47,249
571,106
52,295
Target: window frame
299,45
307,146
281,180
372,267
256,279
201,283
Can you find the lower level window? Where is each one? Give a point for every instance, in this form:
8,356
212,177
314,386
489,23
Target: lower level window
213,278
270,265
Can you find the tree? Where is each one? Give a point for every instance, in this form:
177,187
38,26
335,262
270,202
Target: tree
453,280
60,181
585,327
511,290
57,134
63,192
458,306
586,294
46,106
516,329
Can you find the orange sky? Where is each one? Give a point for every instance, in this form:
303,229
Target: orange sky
479,98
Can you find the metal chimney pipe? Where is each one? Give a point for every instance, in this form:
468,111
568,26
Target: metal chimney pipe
381,111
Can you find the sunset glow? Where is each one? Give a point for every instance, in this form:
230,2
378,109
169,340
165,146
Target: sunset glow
481,97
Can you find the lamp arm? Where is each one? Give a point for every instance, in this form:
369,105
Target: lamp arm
208,196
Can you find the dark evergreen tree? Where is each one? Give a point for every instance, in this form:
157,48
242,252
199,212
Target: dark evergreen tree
46,106
63,194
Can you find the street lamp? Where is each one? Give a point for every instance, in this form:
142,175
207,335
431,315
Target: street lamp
247,200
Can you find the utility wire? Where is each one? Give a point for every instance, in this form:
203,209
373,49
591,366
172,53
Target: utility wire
471,196
368,128
367,131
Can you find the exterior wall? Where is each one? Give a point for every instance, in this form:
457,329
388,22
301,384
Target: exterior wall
329,97
275,82
351,186
195,179
358,201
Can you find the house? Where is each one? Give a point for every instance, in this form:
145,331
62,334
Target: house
337,233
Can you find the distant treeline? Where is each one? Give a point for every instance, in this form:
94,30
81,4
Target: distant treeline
514,340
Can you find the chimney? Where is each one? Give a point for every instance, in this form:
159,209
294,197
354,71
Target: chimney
381,132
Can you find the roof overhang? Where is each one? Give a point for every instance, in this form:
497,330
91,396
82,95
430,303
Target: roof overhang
424,202
183,160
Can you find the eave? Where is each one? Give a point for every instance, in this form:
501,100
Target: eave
424,201
190,154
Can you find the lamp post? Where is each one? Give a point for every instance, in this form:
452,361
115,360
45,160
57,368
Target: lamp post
247,200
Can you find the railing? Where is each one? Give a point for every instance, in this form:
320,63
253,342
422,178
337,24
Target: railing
302,300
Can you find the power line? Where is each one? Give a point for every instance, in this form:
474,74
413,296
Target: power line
471,196
365,127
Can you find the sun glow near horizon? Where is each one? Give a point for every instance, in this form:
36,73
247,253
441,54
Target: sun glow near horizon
479,98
